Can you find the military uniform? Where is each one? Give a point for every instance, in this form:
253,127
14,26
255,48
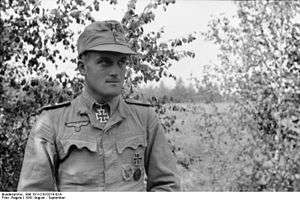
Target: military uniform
70,150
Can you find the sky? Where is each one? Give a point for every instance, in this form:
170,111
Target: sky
180,19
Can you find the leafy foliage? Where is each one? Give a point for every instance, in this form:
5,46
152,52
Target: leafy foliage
260,65
155,57
33,37
204,91
211,143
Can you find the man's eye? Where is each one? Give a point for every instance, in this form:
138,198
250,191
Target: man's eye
123,63
104,62
100,61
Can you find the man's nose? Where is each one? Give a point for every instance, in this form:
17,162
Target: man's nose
115,69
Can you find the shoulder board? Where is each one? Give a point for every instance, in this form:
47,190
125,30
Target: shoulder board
139,103
55,106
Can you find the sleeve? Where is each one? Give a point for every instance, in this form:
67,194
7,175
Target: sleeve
160,163
38,169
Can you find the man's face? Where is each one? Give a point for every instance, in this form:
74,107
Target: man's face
104,72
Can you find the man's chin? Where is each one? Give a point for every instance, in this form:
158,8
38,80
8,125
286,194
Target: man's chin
107,92
112,93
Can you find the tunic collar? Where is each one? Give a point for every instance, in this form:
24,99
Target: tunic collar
88,102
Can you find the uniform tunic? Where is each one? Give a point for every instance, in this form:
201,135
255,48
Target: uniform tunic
70,150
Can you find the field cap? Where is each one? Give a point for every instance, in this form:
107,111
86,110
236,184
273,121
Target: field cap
104,36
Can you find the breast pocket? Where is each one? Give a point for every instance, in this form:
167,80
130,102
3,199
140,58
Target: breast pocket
131,152
129,146
72,146
79,163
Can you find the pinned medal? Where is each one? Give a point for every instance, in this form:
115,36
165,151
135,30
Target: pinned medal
102,115
127,172
137,174
137,159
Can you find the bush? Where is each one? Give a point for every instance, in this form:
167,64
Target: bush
260,66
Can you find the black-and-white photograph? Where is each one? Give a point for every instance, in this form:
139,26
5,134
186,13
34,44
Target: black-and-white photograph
149,96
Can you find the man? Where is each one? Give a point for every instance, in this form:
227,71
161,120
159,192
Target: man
99,141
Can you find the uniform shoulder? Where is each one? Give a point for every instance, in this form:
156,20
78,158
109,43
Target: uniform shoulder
138,102
54,106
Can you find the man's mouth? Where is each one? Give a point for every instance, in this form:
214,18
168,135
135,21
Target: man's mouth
113,81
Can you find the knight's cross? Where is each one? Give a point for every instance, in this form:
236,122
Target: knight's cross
137,159
102,115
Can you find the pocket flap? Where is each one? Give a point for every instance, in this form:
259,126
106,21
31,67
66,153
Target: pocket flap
132,142
66,146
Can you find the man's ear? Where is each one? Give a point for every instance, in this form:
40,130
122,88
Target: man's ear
81,66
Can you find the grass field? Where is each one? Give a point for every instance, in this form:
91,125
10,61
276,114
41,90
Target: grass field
209,143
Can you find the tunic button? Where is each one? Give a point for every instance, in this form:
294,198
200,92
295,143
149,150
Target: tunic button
100,151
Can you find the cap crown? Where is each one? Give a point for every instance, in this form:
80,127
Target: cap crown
103,36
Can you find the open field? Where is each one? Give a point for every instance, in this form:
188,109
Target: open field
209,142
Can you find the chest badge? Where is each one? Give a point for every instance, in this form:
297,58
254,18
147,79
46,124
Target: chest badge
127,172
102,115
77,124
137,159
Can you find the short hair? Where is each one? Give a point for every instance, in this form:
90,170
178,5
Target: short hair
84,56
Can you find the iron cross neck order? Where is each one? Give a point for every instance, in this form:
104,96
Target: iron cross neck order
102,115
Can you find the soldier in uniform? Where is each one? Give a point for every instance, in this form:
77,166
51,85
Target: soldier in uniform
99,141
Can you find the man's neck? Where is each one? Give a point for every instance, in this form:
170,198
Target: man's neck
99,98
